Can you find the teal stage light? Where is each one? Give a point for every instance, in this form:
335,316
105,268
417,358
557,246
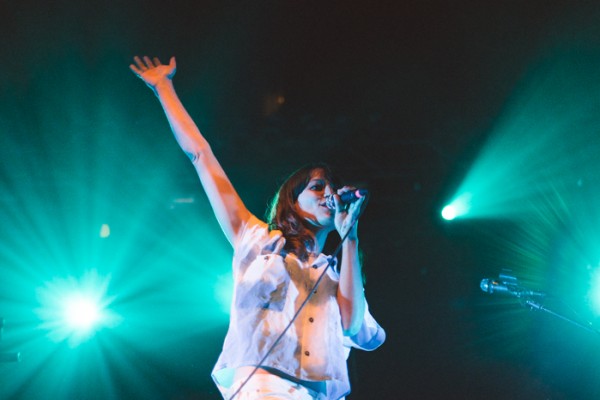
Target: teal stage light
81,313
594,292
75,309
459,207
449,212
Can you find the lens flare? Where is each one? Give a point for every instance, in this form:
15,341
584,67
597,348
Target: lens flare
459,207
594,293
75,309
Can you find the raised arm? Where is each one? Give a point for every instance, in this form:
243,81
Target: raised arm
226,203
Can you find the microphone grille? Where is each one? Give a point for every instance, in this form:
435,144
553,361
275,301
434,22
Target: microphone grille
485,285
330,202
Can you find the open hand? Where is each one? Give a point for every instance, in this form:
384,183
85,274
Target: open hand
152,71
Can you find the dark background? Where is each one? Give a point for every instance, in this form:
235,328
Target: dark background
398,96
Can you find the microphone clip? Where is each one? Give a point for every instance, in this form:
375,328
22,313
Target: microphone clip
508,284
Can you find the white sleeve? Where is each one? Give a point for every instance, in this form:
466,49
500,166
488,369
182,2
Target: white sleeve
370,336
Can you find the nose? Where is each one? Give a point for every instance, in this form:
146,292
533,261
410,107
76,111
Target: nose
328,190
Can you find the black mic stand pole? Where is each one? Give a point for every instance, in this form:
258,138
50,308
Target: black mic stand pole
537,306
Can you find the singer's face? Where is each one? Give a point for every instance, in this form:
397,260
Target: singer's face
311,203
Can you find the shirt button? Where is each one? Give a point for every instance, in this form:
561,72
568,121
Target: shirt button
307,353
266,258
311,319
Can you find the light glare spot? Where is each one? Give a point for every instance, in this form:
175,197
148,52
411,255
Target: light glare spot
594,293
449,212
458,207
81,313
104,231
75,309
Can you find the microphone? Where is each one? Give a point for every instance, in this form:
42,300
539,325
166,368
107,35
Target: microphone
493,286
346,197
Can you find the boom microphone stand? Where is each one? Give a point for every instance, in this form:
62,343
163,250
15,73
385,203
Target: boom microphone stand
509,285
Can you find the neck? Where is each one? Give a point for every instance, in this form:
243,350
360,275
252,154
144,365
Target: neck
320,238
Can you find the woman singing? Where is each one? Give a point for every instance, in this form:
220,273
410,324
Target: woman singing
279,344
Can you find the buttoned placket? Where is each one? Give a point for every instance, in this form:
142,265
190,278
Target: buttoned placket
309,314
322,335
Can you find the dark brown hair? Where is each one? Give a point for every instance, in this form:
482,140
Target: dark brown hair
282,214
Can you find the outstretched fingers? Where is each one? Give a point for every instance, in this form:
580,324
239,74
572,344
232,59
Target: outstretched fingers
148,62
139,67
143,64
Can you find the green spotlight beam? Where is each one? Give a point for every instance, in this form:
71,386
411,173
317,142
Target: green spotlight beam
535,186
87,211
546,138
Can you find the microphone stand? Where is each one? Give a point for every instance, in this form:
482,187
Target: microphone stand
539,307
8,357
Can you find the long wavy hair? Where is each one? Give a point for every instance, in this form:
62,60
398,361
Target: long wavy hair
282,215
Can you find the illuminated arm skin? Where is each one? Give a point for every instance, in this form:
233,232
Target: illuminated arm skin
226,203
229,209
350,296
